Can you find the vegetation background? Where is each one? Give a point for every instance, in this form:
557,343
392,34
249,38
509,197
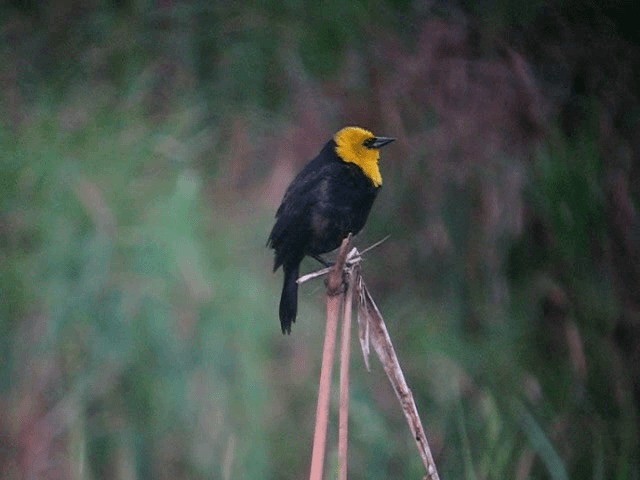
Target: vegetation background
144,147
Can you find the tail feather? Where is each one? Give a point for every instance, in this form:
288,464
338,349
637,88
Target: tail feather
289,297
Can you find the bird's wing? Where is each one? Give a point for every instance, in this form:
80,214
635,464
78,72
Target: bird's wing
306,190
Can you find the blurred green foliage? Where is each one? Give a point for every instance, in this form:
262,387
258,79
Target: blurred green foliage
143,149
130,301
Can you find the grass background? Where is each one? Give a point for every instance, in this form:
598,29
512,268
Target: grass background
144,148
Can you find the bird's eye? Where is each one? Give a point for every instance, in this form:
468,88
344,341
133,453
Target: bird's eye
369,142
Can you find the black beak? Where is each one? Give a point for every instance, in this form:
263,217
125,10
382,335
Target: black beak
378,142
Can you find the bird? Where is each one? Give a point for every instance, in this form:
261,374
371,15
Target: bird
330,198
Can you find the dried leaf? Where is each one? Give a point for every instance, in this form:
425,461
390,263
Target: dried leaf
363,321
387,355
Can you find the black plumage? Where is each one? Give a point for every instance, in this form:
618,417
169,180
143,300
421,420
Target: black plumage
326,201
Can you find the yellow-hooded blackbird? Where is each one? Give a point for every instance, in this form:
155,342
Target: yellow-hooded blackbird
330,198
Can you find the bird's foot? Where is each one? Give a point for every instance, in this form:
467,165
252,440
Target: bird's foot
324,262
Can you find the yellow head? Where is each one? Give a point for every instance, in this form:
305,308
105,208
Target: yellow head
360,146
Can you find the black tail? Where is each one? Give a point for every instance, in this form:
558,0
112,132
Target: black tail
289,297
